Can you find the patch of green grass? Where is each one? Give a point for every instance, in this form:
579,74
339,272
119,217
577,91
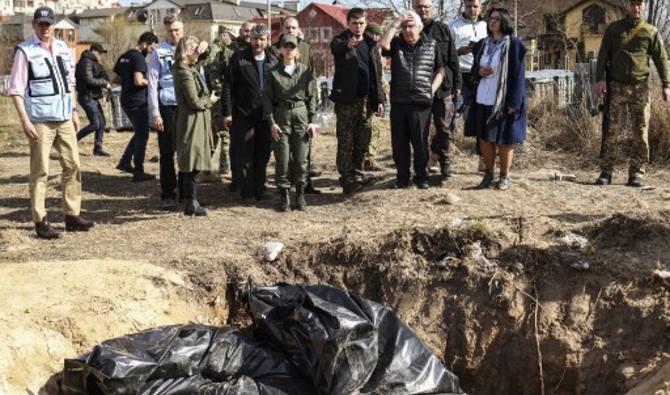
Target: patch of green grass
477,227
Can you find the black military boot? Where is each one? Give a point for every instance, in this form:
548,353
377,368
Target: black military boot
635,180
604,178
192,208
300,197
445,169
284,200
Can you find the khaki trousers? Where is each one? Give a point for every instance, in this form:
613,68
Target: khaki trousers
63,137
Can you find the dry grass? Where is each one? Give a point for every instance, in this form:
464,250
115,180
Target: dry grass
571,129
575,131
659,132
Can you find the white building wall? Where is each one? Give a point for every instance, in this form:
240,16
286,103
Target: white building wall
6,7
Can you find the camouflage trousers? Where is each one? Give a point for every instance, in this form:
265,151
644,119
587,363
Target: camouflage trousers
628,133
373,147
222,136
353,138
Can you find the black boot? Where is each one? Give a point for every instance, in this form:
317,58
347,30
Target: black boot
486,180
300,197
604,178
285,200
192,207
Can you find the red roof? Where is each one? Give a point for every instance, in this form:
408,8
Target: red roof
377,15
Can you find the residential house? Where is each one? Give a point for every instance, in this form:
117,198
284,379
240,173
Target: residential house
574,34
59,6
321,22
98,18
202,18
6,7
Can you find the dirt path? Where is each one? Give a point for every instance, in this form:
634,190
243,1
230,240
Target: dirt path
479,320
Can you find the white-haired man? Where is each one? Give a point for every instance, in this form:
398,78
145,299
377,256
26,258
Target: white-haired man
417,72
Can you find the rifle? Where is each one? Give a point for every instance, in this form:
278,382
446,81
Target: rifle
605,108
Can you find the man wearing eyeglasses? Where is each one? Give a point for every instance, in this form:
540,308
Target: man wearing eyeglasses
443,101
163,107
42,88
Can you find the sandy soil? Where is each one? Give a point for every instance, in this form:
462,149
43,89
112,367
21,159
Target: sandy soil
601,330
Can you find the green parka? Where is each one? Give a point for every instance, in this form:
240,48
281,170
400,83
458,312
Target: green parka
193,140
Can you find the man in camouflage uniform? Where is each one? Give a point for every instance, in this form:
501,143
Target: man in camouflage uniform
375,31
357,94
217,57
622,74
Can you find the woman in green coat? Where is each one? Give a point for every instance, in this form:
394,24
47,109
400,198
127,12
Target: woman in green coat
289,103
193,138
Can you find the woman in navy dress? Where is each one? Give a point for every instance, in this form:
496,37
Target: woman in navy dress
498,114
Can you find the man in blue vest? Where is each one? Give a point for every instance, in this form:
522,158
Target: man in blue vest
163,106
42,88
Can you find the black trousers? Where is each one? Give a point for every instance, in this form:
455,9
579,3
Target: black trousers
187,184
409,131
166,148
252,149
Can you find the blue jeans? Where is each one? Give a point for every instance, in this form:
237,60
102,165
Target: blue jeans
96,118
136,148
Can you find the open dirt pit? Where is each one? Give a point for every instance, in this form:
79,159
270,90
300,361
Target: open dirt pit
521,317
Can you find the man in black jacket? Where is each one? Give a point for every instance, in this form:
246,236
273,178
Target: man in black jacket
443,102
357,94
242,104
417,71
92,80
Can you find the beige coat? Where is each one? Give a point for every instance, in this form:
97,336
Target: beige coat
193,137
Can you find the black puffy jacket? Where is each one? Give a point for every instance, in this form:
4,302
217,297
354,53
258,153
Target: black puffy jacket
91,77
412,70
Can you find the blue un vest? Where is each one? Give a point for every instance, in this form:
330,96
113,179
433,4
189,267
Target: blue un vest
47,97
166,96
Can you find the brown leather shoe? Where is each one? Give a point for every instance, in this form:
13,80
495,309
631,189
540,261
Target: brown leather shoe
75,223
45,230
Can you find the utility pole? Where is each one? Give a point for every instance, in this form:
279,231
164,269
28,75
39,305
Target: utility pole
269,21
516,18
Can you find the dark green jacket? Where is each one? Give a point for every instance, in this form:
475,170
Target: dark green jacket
283,91
630,65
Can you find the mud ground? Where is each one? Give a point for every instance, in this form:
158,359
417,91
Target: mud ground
603,330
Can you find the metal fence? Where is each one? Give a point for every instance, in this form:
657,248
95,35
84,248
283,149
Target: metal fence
4,84
564,87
